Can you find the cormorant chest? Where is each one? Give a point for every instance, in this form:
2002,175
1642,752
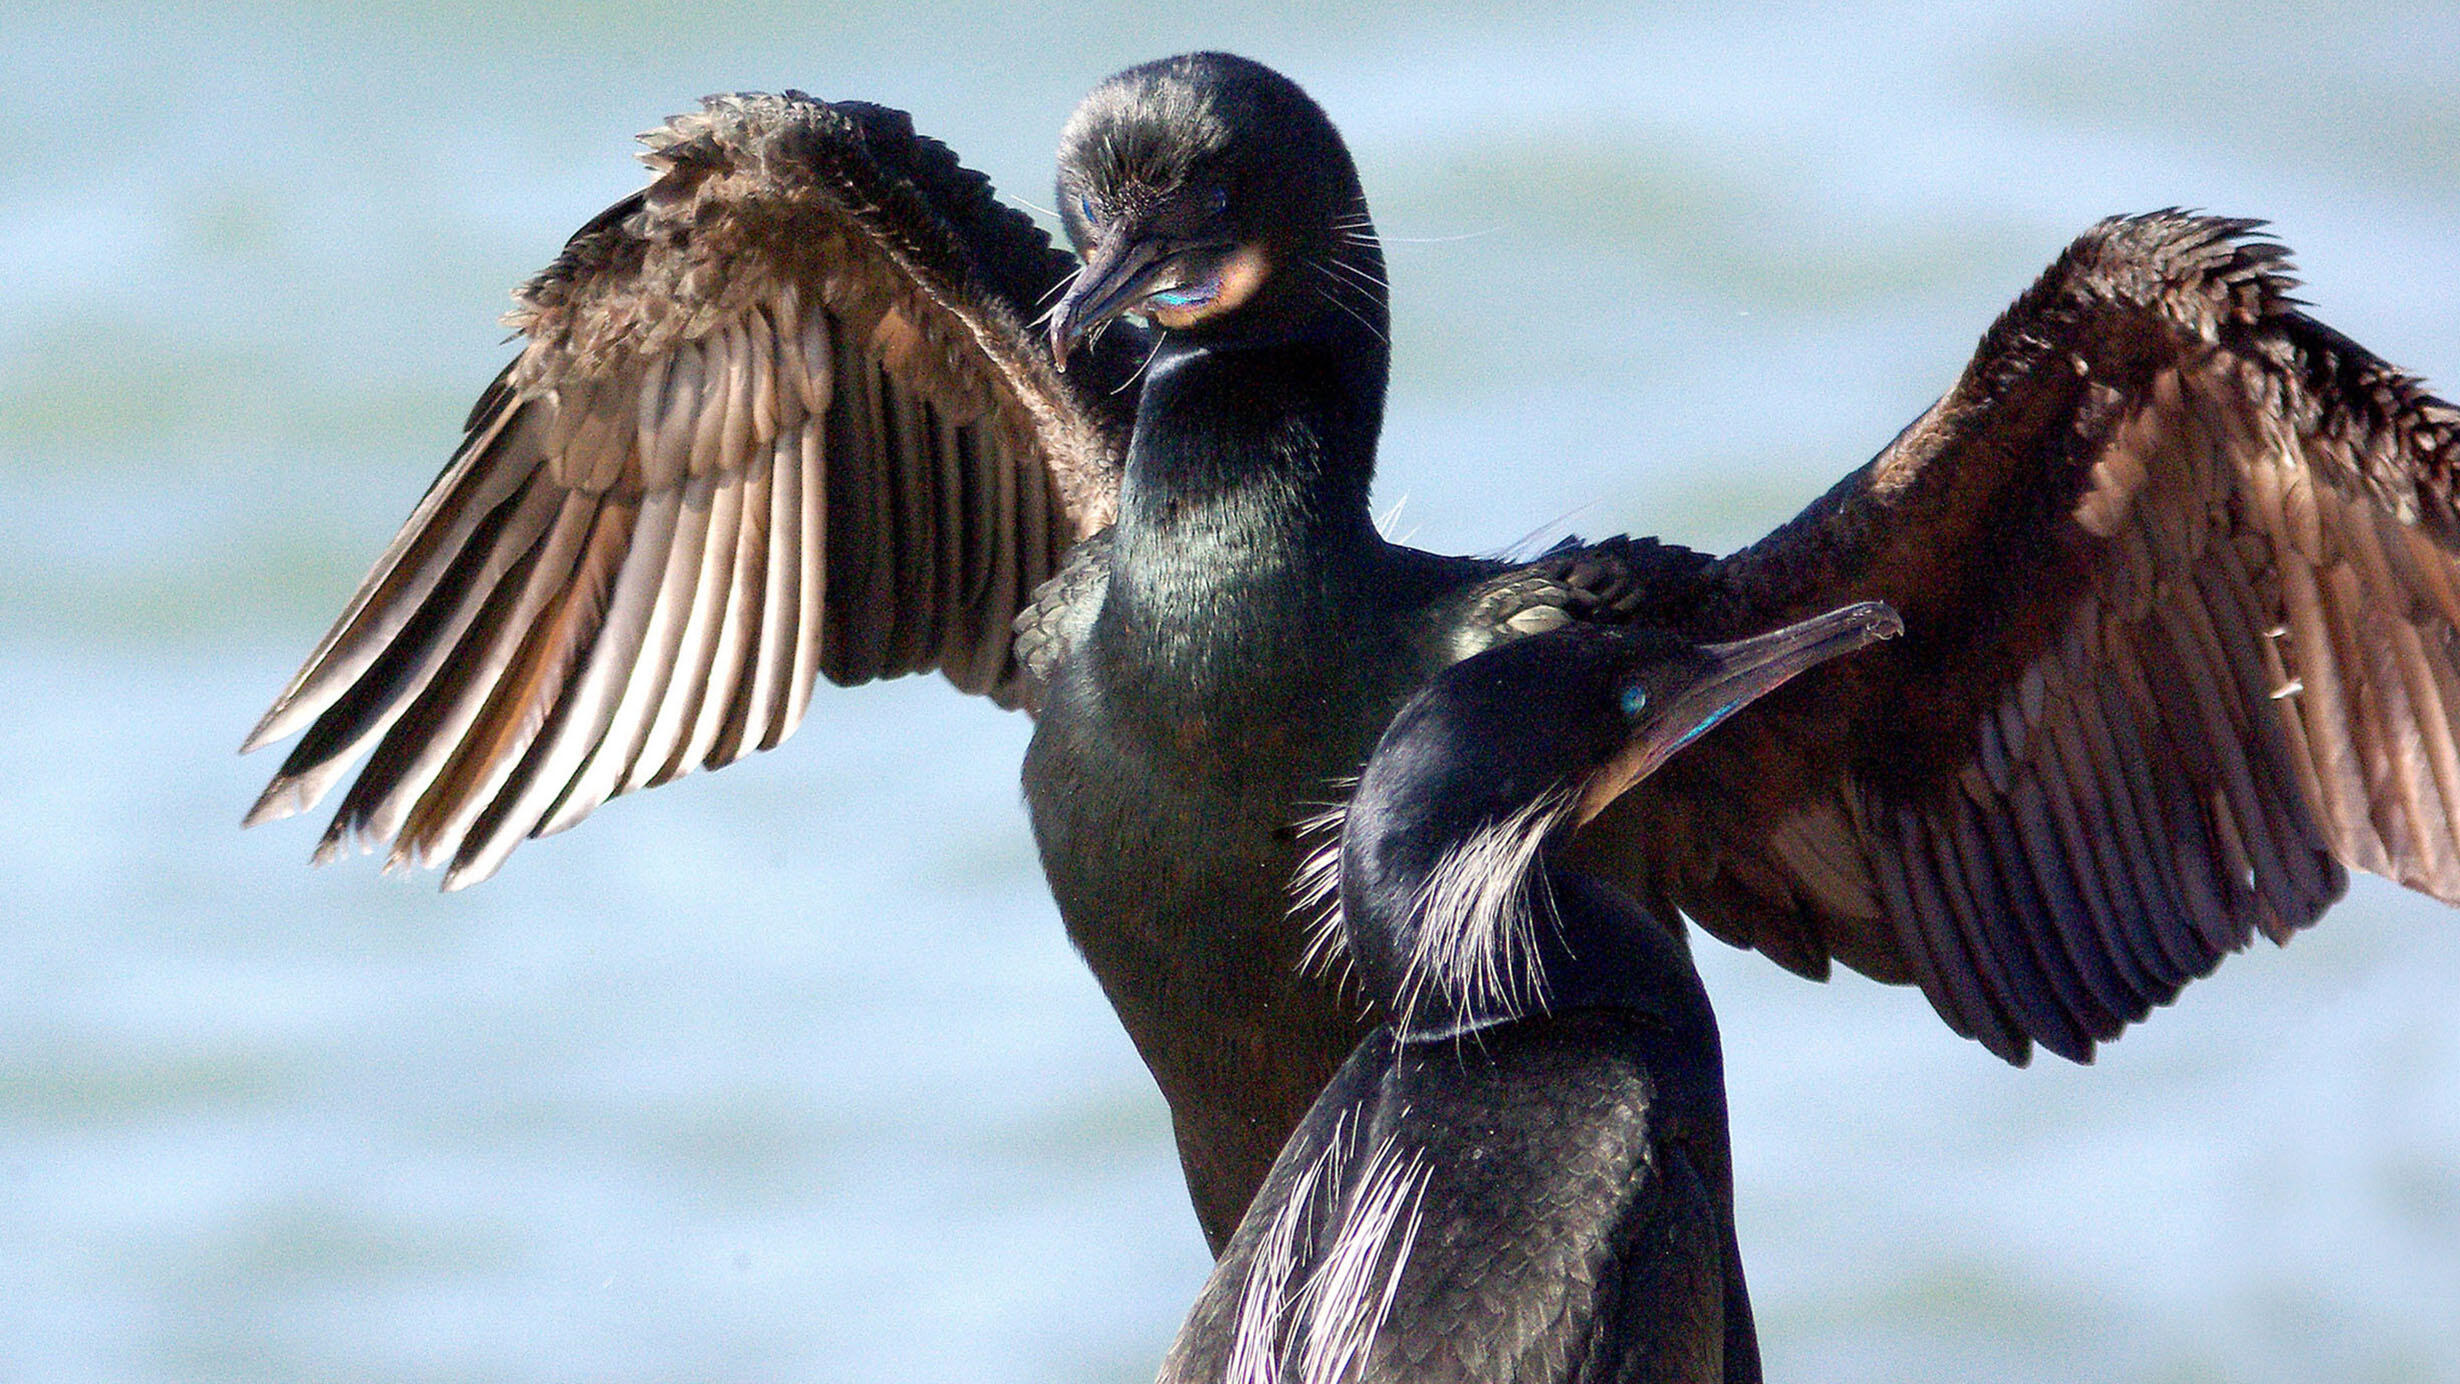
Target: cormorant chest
1183,739
1179,747
1505,1191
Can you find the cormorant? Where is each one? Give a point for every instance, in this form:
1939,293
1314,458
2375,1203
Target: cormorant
1523,1174
2176,562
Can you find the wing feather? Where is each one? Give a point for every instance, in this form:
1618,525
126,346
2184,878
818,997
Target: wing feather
811,588
664,756
642,536
774,417
717,731
2181,575
628,728
781,612
415,753
395,591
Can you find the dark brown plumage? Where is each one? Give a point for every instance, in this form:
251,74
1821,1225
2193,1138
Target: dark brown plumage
2177,570
2177,565
779,414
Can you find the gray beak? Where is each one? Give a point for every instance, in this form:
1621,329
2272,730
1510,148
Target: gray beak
1730,678
1123,269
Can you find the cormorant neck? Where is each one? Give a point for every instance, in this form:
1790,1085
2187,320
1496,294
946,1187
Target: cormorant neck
1266,449
1608,953
1553,940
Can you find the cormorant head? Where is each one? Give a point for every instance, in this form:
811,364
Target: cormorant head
1211,194
1449,917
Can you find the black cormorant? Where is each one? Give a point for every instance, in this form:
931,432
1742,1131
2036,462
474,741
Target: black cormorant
1524,1173
2176,562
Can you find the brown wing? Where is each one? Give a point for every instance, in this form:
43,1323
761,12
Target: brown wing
2177,566
780,414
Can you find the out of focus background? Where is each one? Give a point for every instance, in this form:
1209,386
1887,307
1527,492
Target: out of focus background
787,1073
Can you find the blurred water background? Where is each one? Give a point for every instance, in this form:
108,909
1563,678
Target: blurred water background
787,1073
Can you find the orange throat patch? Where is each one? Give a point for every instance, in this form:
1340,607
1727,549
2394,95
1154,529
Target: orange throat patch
1241,275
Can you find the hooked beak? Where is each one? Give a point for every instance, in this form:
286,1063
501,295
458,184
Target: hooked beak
1732,677
1123,269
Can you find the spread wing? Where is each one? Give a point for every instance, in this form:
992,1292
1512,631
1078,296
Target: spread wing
779,414
2179,577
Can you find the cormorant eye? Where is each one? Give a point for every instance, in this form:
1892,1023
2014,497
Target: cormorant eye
1217,201
1635,697
1084,208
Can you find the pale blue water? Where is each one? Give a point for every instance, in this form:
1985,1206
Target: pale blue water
787,1073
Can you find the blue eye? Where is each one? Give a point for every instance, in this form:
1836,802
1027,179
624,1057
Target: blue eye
1635,697
1218,202
1084,207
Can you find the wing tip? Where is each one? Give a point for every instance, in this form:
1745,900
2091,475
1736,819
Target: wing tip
277,723
2014,1049
295,790
462,877
480,856
277,802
